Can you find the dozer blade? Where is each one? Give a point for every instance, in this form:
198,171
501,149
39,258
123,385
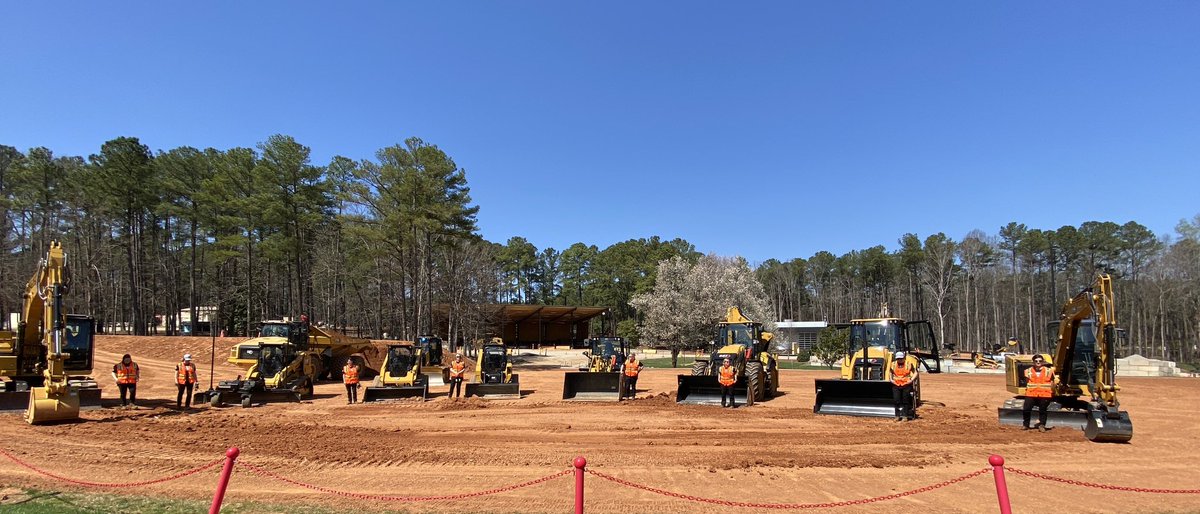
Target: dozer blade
596,387
509,391
14,401
705,390
386,393
1097,425
45,407
871,398
1056,417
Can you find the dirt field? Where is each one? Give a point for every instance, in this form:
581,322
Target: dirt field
776,451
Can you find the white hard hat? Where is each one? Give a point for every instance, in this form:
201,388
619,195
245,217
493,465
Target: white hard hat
187,356
898,355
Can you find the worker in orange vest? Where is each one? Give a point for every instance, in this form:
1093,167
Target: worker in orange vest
126,374
631,369
904,374
185,380
727,376
458,370
1039,382
350,378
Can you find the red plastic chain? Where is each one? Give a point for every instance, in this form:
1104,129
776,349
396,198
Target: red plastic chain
1081,483
828,505
384,497
110,485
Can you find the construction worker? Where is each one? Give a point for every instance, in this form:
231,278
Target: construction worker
126,374
350,378
458,370
185,380
1039,380
903,375
631,369
727,376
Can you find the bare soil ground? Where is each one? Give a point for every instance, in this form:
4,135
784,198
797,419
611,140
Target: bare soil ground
776,451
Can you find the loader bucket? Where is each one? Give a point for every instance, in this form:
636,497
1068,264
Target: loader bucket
45,407
872,398
588,386
89,398
1108,428
386,393
509,391
705,390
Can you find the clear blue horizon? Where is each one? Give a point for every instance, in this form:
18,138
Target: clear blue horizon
761,129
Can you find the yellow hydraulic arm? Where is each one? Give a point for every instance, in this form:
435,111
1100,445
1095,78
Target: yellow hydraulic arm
46,321
1094,303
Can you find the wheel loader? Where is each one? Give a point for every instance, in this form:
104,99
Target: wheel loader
1084,364
865,385
46,363
400,376
747,347
283,372
494,378
602,379
435,371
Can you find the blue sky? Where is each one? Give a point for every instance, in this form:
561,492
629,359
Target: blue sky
764,129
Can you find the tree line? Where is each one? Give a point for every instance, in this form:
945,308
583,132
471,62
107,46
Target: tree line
390,244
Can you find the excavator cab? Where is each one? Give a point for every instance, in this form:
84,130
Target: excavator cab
600,381
401,377
865,387
494,378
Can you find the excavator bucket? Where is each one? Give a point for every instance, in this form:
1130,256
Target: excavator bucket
386,393
507,391
45,407
436,375
705,390
872,398
1097,426
589,386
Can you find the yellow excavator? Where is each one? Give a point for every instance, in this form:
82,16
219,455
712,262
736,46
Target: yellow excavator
46,364
400,377
747,347
865,385
1085,374
602,380
494,377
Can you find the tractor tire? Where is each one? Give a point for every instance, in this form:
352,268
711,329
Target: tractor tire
755,387
773,378
699,368
305,389
215,400
917,392
245,402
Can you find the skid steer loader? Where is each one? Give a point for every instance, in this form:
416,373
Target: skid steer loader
601,380
400,377
436,372
747,346
865,387
494,379
283,372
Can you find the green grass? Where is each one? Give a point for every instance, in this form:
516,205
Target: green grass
686,362
36,501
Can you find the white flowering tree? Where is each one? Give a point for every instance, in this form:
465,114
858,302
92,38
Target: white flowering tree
688,300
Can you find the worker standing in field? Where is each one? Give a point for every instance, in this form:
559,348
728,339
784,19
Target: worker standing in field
185,380
1038,382
458,370
903,375
350,378
126,373
631,369
727,376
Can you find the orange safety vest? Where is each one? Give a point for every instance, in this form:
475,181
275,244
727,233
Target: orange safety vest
127,374
1037,384
185,373
902,374
728,376
631,368
457,369
350,374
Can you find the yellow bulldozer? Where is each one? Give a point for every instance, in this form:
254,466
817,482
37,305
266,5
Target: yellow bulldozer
494,377
400,377
602,380
46,364
864,387
1085,373
747,347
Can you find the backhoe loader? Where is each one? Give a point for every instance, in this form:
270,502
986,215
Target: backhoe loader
1085,374
46,364
283,372
747,347
435,371
865,387
400,377
494,378
602,379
